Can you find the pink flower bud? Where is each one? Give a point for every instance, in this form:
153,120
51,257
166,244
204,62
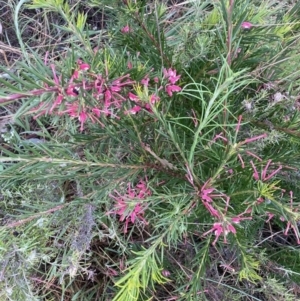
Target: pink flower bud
133,97
96,111
145,81
75,75
72,90
246,25
166,273
84,66
125,29
133,111
82,118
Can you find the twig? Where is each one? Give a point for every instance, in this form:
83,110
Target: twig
28,219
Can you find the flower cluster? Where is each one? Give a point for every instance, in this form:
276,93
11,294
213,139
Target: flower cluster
172,78
129,206
224,224
108,95
152,99
105,96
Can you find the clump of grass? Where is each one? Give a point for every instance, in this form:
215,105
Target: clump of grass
153,155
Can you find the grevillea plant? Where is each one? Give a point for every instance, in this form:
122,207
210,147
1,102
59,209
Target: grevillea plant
153,158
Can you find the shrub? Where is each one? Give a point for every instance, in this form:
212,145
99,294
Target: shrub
153,155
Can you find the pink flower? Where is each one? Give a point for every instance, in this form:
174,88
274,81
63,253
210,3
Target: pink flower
270,216
72,90
126,29
143,190
172,88
213,212
129,65
207,200
248,140
82,118
145,81
166,273
295,229
56,80
246,25
107,96
57,102
171,75
96,111
154,98
264,176
133,111
206,191
84,66
237,219
128,207
115,88
75,75
133,97
72,109
219,228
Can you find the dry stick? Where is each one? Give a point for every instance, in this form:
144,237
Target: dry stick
5,57
26,220
6,47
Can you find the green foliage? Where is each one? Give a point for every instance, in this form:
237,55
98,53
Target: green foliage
152,155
